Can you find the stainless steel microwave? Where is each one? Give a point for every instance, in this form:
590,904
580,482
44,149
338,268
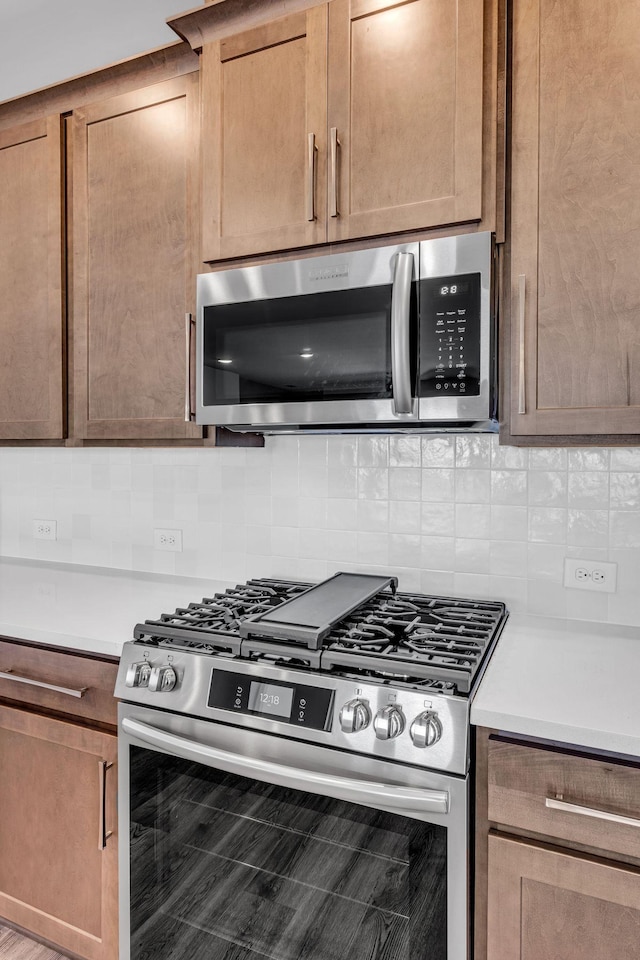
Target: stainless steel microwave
390,338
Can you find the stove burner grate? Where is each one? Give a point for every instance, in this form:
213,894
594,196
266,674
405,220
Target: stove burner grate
405,637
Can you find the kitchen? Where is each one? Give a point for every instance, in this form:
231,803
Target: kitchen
460,515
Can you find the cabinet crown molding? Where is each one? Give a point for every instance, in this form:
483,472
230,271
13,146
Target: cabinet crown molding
223,18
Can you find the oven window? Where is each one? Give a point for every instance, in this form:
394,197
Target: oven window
228,868
327,346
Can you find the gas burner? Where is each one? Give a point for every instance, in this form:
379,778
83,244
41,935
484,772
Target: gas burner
438,642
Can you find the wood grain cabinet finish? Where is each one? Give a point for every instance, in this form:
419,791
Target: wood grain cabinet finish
31,266
264,137
405,98
566,796
575,285
557,853
352,119
134,185
548,904
56,879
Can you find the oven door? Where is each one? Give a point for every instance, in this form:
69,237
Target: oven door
236,845
325,340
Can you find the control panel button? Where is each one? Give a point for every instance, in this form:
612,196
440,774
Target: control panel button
388,723
138,674
354,716
426,729
162,679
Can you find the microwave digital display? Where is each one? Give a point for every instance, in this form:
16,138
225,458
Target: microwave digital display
450,336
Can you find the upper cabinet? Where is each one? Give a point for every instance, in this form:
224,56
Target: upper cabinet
352,119
31,267
134,243
575,284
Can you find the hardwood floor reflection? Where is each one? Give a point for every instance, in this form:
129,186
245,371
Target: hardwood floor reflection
14,946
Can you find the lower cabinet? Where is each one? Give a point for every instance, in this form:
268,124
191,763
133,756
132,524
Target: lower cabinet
549,904
558,853
58,825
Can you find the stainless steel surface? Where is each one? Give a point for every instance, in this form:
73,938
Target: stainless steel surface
389,723
400,333
522,394
308,618
426,729
103,833
190,695
67,691
355,716
311,176
396,799
554,803
188,403
333,172
444,256
306,758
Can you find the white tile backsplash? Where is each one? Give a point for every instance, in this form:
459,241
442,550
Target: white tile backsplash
448,514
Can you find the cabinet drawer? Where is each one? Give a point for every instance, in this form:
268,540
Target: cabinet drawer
534,789
85,684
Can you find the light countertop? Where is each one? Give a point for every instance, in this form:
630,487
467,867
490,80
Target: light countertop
570,681
87,608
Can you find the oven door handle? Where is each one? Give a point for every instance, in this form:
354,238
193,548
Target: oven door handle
396,799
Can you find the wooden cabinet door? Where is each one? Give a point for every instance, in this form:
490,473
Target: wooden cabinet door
548,905
56,878
405,100
135,208
575,283
264,137
31,316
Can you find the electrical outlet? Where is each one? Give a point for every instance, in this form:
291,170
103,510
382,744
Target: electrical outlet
168,540
45,529
590,575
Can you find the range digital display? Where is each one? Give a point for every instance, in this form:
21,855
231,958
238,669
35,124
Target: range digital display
271,699
295,703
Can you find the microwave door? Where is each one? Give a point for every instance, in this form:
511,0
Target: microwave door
314,356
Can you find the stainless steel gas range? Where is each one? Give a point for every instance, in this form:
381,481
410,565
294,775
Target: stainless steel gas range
294,773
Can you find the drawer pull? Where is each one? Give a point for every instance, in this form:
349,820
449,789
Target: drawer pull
565,807
67,691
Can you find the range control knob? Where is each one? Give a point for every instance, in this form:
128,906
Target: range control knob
388,723
138,674
162,679
426,729
355,716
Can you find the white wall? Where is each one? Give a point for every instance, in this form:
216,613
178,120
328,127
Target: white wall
449,515
45,41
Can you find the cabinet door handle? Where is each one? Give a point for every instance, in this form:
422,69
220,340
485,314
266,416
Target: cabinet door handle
311,176
400,333
522,399
103,833
189,322
333,185
67,691
565,807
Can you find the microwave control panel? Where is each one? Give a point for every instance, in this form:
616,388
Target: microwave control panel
450,336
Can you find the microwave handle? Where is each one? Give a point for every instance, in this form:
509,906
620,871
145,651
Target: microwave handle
400,327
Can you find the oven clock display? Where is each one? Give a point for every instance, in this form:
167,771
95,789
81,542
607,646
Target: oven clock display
269,699
298,704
